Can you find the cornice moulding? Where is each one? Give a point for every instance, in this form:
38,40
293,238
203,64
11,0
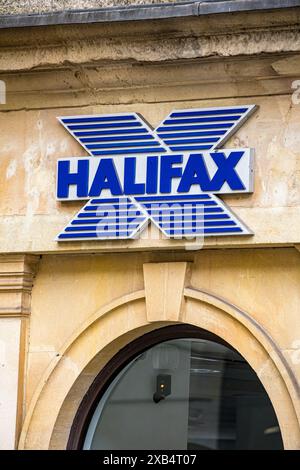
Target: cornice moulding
90,45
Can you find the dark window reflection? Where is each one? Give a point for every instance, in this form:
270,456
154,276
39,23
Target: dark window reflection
213,400
228,406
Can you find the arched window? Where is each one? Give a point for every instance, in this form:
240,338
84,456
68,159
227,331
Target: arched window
176,388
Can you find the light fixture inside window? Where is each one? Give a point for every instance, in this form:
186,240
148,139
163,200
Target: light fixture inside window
163,387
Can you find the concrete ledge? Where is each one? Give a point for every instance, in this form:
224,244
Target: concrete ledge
143,12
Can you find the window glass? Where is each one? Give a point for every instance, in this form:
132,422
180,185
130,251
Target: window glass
187,394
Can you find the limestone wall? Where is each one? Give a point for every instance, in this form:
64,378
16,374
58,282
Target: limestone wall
90,299
10,7
85,308
150,68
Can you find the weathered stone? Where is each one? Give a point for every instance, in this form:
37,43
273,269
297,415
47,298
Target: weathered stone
12,7
87,302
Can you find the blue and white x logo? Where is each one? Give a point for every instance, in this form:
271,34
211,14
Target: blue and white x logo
169,175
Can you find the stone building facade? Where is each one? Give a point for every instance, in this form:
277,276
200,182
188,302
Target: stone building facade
67,309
